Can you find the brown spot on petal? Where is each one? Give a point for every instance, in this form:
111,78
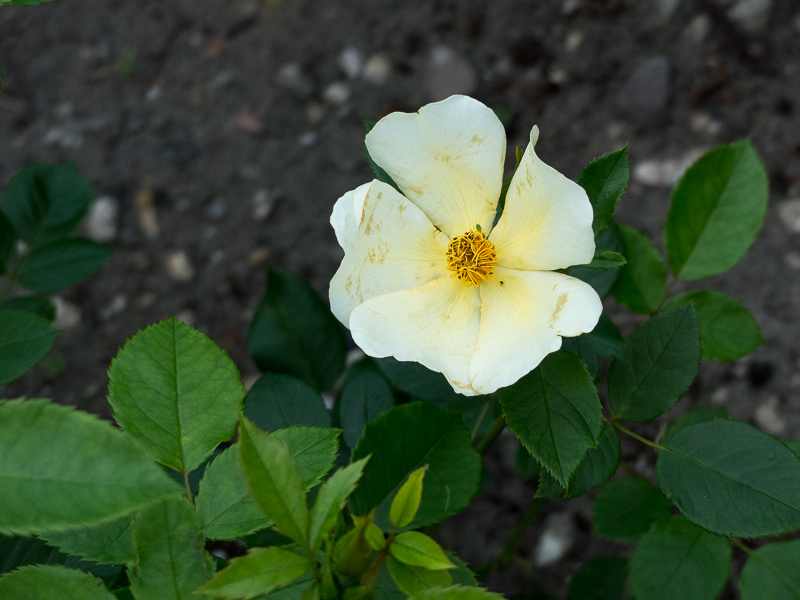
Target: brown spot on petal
562,300
476,140
416,190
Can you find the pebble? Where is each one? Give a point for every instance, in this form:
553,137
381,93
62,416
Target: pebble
648,88
789,213
336,93
247,122
307,139
574,40
720,395
67,136
751,15
117,305
217,209
556,540
291,76
350,62
68,315
666,172
698,28
259,256
101,223
179,267
666,8
146,215
768,417
187,316
377,69
263,203
792,260
448,73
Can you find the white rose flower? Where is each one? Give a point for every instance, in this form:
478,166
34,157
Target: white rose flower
427,278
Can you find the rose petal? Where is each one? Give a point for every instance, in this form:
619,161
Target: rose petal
547,220
389,244
435,324
522,319
447,158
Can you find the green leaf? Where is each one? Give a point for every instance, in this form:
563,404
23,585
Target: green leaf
412,579
38,305
24,340
225,505
716,211
606,259
416,381
294,332
313,448
600,578
170,561
405,438
418,550
602,280
274,480
19,551
45,202
260,572
583,347
456,592
771,572
8,244
380,174
716,471
676,559
53,583
364,397
276,401
727,329
56,265
606,337
655,366
175,390
627,507
331,499
106,543
406,502
642,281
555,412
605,180
698,415
63,469
525,463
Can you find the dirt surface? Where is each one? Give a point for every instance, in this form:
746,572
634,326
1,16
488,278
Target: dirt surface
223,132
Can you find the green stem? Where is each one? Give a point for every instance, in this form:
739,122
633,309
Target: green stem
188,488
492,436
636,436
739,544
482,416
507,554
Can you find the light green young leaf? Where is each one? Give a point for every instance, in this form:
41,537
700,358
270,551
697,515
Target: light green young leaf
406,502
260,572
274,480
605,180
555,412
676,559
170,561
627,507
106,543
24,340
64,469
418,550
716,471
53,583
642,281
314,449
716,211
771,572
375,537
412,580
56,265
277,401
331,499
727,329
456,592
175,390
364,397
655,366
599,578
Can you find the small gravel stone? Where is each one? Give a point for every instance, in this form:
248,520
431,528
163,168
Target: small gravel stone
247,122
68,136
146,214
179,267
291,76
789,213
186,316
665,172
218,209
792,260
698,28
350,62
574,40
263,203
769,418
117,305
556,540
448,73
377,69
336,93
259,256
648,88
307,139
751,15
101,223
68,315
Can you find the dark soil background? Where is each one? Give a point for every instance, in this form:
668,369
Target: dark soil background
218,135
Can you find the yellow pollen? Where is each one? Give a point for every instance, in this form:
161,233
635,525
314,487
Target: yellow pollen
472,258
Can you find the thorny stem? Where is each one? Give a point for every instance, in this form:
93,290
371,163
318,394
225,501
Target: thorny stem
492,436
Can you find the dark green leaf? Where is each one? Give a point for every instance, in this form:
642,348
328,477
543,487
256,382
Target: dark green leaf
380,174
526,464
175,390
19,551
606,337
600,578
718,470
555,412
677,559
606,259
276,401
53,583
771,572
698,415
727,329
602,280
64,469
416,380
583,347
260,572
642,280
655,366
548,487
363,398
108,543
605,180
294,332
170,561
56,265
716,211
627,507
38,305
8,243
24,339
405,438
45,202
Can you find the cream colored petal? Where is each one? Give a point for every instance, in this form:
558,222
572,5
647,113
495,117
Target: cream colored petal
447,158
435,324
547,220
389,245
522,321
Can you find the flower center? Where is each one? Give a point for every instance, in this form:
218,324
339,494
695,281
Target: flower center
471,257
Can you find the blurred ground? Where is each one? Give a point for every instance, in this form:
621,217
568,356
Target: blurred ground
219,135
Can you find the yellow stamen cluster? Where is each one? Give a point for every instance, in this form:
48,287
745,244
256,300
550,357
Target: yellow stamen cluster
472,258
